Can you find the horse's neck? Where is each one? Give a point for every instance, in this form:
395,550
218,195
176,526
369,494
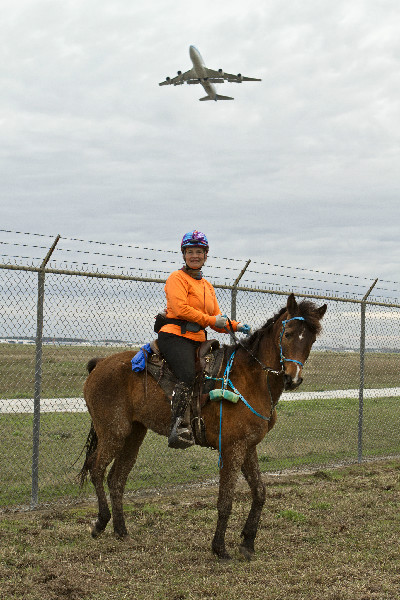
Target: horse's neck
268,350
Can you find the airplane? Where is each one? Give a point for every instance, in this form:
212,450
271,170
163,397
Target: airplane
199,73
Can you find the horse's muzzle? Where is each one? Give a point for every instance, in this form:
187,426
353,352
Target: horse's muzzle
290,384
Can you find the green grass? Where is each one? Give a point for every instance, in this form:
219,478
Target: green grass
64,370
308,433
341,371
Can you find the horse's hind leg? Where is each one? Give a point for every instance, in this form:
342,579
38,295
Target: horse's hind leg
108,447
118,475
101,459
251,472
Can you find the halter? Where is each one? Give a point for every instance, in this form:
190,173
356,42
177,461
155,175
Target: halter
283,358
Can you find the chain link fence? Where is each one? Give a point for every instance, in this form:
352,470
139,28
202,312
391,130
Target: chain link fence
53,320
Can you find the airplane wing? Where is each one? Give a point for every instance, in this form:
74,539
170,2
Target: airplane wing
180,78
220,74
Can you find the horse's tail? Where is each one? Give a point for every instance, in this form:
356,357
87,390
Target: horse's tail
90,447
92,363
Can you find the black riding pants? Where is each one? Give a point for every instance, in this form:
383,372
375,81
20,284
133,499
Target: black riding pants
180,354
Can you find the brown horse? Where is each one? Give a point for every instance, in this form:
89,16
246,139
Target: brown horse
264,365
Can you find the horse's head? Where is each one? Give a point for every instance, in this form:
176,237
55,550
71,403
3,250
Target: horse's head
295,333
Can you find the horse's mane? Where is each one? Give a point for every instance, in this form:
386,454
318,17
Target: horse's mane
306,309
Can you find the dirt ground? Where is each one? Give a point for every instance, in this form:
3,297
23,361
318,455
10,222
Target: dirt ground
324,535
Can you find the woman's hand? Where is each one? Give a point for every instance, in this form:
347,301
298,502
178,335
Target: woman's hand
220,321
243,328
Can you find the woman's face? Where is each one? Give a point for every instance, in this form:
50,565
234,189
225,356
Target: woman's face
195,257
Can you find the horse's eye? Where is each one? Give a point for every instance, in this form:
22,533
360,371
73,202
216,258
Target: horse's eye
288,335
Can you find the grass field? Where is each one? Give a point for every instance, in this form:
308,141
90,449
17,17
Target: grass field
64,370
326,535
308,433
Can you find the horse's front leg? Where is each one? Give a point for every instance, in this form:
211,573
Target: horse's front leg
232,460
252,473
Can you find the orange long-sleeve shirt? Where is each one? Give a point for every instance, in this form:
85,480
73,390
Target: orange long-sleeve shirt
191,300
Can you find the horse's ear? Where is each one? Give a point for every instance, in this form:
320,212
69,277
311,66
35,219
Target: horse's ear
322,310
291,304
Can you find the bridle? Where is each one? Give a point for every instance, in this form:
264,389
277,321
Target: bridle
282,358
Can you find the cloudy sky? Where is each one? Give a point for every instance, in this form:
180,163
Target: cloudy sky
300,169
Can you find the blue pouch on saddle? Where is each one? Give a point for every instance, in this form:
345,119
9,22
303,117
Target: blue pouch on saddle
139,360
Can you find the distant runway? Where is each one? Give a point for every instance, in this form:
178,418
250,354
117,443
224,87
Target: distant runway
76,405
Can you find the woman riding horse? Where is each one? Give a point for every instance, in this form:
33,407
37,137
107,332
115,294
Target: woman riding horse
124,405
191,307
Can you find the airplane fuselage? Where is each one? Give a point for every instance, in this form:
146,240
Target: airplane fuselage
199,68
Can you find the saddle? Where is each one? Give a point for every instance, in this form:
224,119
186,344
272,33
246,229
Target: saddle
209,359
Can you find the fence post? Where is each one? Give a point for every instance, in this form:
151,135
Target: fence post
38,377
234,293
362,360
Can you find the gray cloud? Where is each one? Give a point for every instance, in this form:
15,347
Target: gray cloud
302,167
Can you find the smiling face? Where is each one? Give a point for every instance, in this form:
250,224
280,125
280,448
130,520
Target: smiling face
195,257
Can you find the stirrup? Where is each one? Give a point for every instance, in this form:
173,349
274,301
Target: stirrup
181,436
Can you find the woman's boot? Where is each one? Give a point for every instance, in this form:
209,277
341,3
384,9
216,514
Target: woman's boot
181,435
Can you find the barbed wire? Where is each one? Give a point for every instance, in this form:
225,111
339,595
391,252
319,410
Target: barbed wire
31,258
245,280
353,278
26,233
24,245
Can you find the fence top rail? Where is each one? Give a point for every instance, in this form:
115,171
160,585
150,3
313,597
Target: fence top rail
216,285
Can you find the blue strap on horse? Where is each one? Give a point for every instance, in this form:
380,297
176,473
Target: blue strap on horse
226,380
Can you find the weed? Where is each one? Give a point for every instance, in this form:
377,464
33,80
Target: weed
291,515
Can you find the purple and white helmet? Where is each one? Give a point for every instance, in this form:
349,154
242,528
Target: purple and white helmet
194,238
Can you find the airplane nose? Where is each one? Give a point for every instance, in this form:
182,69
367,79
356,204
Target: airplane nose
193,52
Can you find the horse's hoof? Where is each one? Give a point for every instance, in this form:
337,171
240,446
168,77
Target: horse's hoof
124,537
246,553
95,531
224,560
222,555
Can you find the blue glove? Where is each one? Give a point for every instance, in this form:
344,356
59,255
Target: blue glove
246,329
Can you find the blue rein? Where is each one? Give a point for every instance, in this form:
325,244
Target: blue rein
226,381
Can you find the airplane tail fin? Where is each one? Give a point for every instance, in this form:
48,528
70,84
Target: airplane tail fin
216,97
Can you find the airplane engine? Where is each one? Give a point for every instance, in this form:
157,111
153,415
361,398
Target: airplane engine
179,72
168,78
221,72
240,78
